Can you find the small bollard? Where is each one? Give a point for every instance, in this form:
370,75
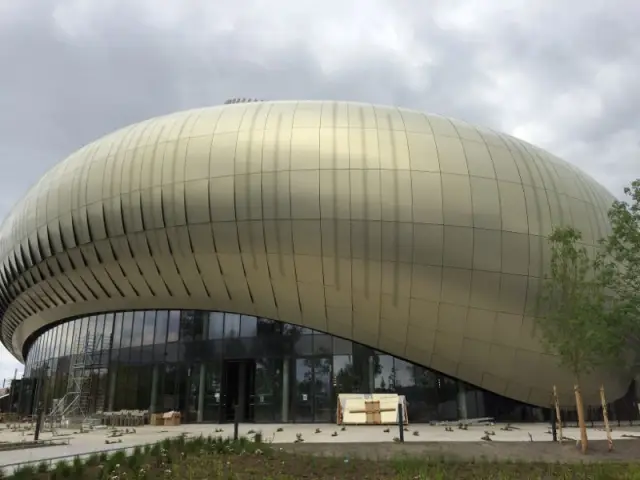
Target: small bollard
236,411
554,425
401,422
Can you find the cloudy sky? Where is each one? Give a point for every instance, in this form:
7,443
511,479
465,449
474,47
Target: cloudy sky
563,75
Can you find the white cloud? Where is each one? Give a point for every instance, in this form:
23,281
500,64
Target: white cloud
560,75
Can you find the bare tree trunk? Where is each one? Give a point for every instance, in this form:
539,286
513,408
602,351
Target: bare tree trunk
581,423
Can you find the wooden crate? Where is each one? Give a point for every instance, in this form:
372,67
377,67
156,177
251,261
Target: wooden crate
156,419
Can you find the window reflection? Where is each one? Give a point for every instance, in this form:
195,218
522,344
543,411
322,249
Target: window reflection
99,331
117,330
162,323
127,327
248,326
149,327
107,338
231,325
136,330
216,325
192,325
266,327
385,379
173,333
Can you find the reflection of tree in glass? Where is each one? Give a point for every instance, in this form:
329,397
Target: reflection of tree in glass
354,376
346,380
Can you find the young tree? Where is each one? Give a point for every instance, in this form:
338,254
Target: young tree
621,271
574,318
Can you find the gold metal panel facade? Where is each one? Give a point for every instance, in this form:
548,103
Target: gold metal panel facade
415,234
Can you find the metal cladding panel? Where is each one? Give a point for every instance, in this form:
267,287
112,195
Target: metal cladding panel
415,234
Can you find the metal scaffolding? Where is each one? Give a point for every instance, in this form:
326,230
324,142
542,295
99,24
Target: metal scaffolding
76,404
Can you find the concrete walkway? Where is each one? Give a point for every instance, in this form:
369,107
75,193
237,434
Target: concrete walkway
94,441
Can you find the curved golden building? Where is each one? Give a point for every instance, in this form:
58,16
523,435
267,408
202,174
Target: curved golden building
415,235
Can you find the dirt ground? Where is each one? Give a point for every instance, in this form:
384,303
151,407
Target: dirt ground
547,452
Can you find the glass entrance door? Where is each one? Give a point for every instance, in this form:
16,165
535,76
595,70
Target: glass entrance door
314,390
322,390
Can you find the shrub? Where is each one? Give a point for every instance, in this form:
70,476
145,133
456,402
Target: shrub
26,472
78,467
62,470
134,461
43,467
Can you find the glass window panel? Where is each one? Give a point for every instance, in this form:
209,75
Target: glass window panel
385,374
45,346
187,321
303,344
45,356
73,349
149,324
91,332
68,335
266,327
62,337
173,333
34,348
127,328
213,392
99,331
231,325
216,325
268,388
248,326
322,344
404,373
303,390
107,338
341,346
344,375
322,404
117,330
162,321
53,338
41,346
136,330
192,325
83,335
56,343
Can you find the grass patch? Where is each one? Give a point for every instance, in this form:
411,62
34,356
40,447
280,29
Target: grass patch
218,458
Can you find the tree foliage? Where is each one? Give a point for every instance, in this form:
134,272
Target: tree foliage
575,318
620,271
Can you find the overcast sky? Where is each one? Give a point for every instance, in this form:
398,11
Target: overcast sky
562,75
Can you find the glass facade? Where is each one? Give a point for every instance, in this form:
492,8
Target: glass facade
203,363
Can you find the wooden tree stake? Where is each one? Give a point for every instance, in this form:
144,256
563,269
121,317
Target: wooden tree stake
605,416
557,407
584,442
